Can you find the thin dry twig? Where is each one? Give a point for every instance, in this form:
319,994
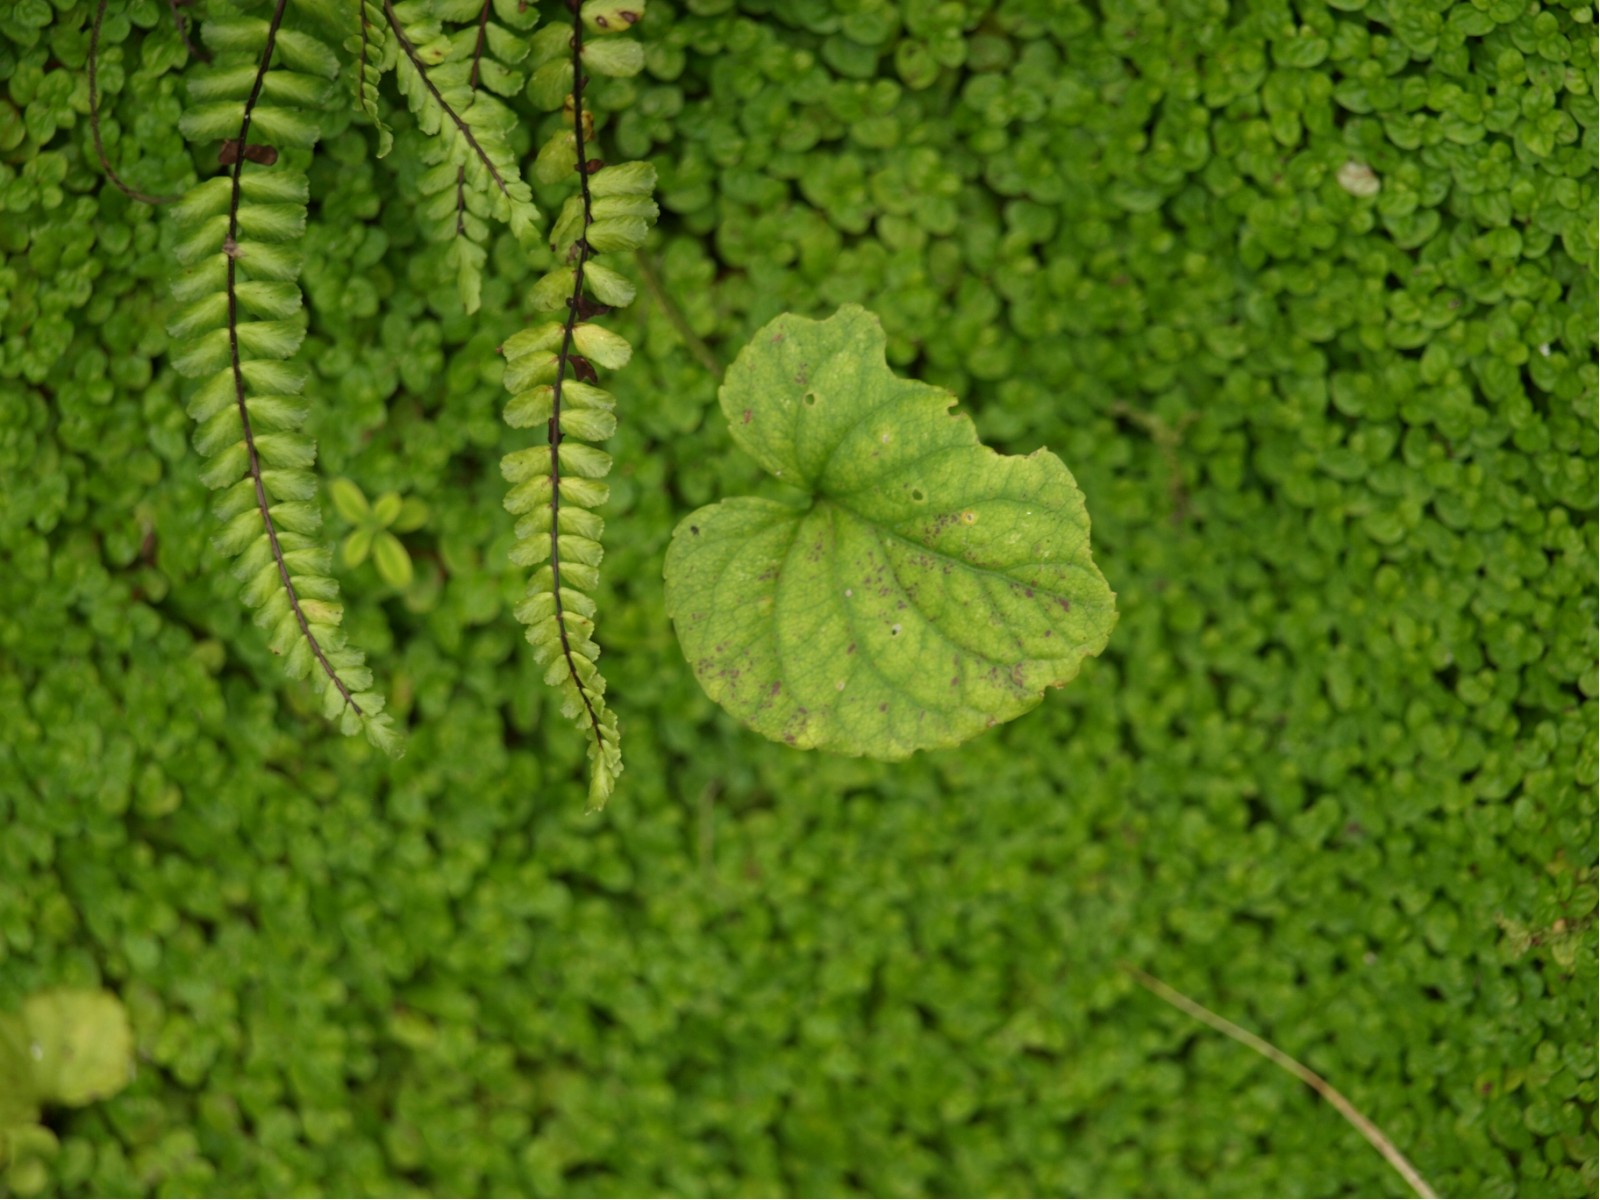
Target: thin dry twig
696,344
1296,1068
1167,439
708,799
199,52
94,116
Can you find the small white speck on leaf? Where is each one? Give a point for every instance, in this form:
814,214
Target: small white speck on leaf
1359,179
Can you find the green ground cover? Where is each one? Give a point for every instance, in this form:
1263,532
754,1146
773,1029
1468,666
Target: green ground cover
1303,294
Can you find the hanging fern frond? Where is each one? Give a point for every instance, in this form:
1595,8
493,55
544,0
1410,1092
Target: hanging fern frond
374,55
473,175
237,328
551,372
490,41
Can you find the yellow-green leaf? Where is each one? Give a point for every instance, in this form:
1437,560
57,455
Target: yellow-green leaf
928,589
80,1043
392,561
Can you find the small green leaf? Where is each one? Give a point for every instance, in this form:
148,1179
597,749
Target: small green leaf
413,515
557,158
386,508
357,546
930,587
625,179
348,501
619,58
608,286
392,561
596,342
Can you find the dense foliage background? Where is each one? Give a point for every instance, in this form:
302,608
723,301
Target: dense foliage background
1305,296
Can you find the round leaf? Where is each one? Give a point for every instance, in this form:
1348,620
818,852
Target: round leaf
931,587
80,1043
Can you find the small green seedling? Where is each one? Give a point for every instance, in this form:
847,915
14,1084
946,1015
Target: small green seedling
376,525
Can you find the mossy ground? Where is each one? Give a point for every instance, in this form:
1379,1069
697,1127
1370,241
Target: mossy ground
1305,297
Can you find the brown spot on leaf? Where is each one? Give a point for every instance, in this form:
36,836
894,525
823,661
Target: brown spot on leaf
229,153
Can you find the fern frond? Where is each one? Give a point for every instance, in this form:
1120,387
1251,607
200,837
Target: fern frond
448,78
238,325
374,55
552,375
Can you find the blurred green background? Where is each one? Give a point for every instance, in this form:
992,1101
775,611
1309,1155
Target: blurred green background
1304,294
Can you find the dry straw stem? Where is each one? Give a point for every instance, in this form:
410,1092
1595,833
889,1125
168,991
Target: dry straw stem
94,112
1298,1069
703,353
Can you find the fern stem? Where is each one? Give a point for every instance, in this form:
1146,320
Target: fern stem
574,303
472,82
417,64
178,23
477,48
231,251
94,114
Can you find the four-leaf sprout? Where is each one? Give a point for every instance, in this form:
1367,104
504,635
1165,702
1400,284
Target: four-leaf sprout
376,525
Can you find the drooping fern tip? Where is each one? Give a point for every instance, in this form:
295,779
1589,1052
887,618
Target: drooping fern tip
552,372
238,326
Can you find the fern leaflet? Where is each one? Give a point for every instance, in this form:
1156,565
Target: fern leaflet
374,55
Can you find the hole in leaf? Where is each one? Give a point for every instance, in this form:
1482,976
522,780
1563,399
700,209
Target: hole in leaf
811,399
918,495
894,630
